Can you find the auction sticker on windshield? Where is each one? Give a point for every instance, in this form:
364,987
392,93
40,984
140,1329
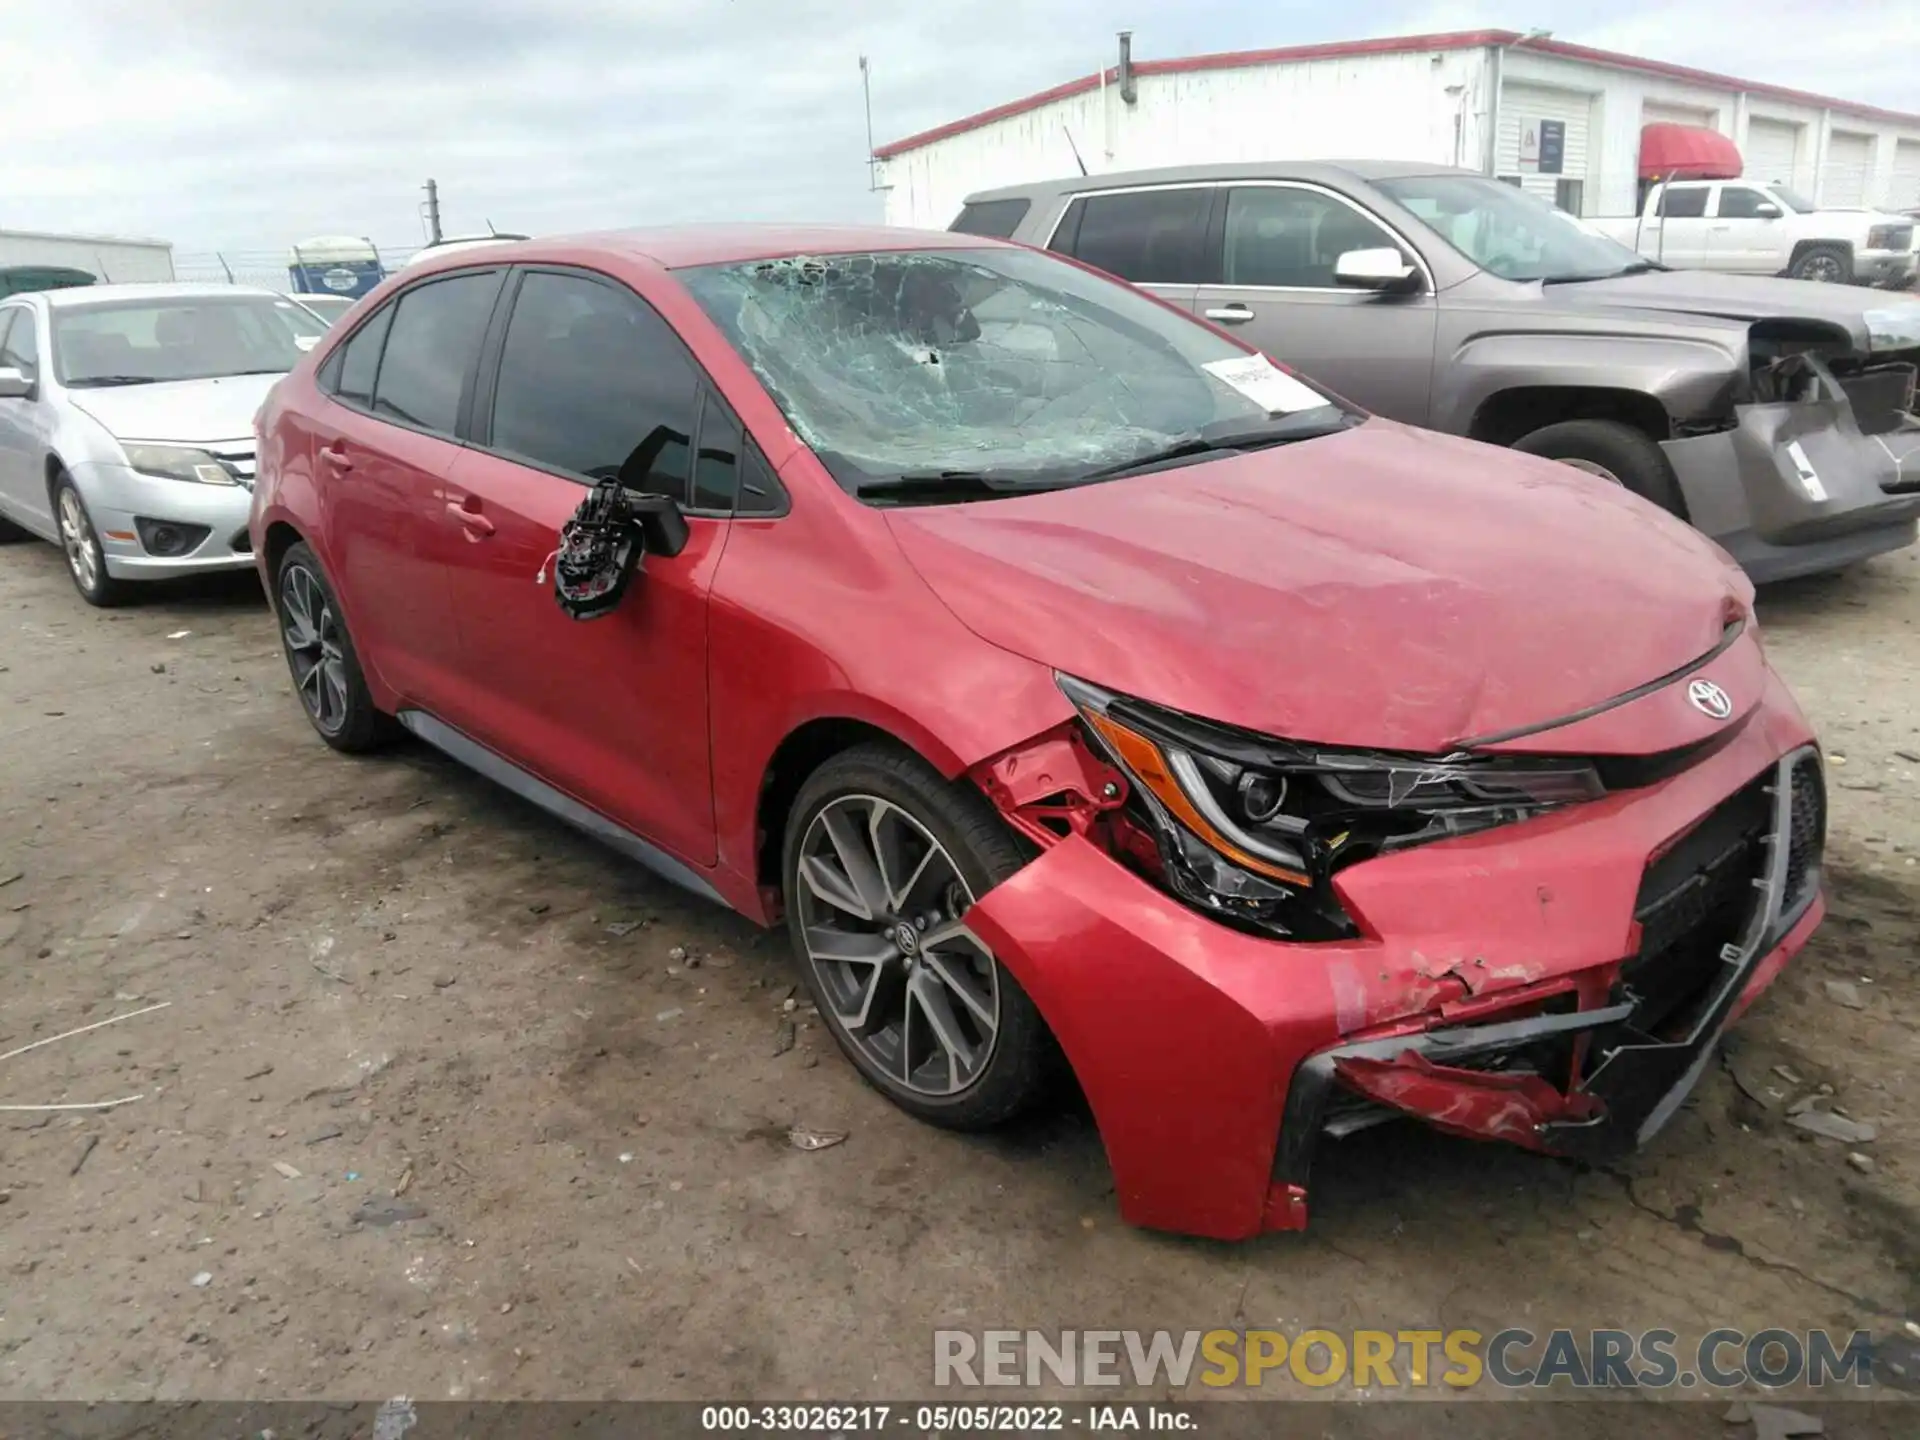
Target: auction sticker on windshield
1265,384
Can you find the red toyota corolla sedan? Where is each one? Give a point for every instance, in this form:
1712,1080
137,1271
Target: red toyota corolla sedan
1073,683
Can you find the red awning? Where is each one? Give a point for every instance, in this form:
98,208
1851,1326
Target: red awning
1687,152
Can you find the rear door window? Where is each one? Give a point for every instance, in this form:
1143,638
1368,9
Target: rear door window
995,218
594,384
431,347
360,359
1146,236
1688,204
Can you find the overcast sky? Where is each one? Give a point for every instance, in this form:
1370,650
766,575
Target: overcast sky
244,125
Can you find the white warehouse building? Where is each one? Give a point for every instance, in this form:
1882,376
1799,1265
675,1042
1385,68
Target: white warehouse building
1561,120
115,258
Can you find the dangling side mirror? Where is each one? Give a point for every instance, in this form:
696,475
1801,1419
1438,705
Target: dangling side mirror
662,524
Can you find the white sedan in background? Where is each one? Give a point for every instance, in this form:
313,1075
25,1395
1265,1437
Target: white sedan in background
126,423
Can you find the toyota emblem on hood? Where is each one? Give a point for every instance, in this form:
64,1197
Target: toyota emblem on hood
1709,699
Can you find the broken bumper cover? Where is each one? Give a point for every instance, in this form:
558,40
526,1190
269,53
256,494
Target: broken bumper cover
1213,1060
1796,488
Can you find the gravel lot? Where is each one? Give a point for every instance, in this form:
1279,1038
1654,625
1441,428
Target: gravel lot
449,1102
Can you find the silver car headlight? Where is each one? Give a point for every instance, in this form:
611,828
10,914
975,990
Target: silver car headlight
178,462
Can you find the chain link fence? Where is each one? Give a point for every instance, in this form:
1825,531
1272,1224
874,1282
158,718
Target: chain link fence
265,268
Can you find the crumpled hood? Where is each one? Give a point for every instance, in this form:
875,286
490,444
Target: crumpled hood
1755,297
1385,587
184,412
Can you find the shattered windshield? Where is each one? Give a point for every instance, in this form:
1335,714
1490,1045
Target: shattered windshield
1510,233
1000,366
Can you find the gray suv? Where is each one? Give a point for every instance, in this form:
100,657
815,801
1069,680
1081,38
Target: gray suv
1775,415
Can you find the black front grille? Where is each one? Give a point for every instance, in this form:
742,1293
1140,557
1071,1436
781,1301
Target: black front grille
1693,902
1807,830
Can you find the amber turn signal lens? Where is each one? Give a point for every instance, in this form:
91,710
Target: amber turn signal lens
1141,756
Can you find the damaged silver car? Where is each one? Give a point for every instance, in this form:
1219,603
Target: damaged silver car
1774,415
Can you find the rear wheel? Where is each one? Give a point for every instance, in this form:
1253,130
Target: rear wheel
1613,451
883,859
320,654
1828,264
86,561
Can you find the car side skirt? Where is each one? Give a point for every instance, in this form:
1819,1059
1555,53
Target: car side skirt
528,786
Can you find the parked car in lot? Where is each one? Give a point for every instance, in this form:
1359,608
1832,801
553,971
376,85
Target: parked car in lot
1776,417
454,243
126,423
325,308
20,279
1748,228
1069,681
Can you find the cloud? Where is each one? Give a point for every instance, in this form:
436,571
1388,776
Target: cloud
238,126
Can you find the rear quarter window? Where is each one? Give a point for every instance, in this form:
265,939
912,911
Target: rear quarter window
997,219
1144,236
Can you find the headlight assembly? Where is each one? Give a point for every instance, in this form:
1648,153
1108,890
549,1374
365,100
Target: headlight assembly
1254,827
178,462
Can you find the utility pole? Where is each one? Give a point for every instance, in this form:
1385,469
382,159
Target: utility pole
866,89
433,213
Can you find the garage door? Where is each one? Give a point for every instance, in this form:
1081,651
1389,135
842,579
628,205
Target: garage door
1652,112
1525,143
1904,193
1772,148
1843,179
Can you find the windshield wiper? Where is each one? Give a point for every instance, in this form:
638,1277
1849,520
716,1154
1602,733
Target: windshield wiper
934,487
1637,267
103,380
1235,439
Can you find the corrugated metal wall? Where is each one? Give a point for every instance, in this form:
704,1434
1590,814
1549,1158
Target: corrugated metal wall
1396,107
1843,178
1904,188
1384,106
109,259
1772,150
1522,108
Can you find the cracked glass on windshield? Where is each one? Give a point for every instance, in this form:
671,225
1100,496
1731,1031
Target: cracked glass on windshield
1002,365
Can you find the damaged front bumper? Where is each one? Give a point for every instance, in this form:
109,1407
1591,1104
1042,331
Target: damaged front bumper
1559,984
1800,486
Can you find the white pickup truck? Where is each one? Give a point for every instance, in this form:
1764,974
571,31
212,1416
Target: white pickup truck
1754,229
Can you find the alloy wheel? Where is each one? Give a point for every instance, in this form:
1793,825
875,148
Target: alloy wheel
76,538
312,635
881,906
1822,270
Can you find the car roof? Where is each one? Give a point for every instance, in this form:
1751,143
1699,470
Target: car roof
675,247
1323,171
105,294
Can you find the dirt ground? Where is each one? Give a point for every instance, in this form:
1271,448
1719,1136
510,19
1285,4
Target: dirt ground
449,1102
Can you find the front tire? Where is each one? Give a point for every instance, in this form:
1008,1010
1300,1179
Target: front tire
86,561
1824,264
882,859
1613,451
321,658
